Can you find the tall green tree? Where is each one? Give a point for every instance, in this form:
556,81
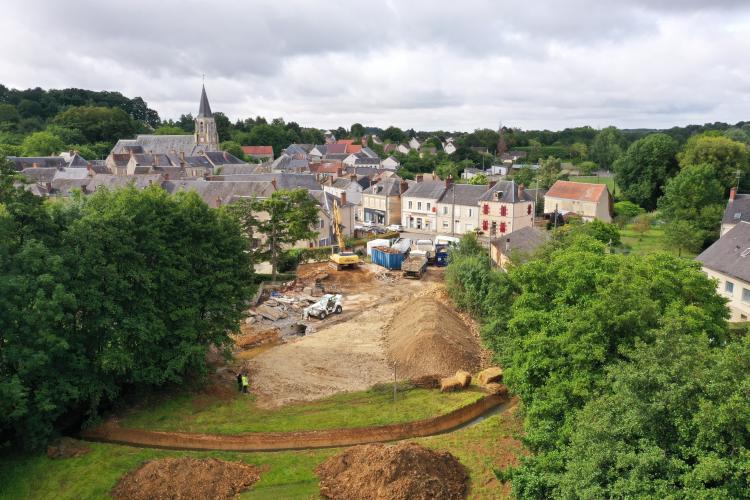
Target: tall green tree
645,167
549,171
42,144
284,218
607,147
727,159
98,123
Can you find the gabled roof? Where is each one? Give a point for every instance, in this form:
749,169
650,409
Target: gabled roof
581,191
287,180
367,161
40,174
431,190
204,111
156,160
216,193
325,167
369,152
353,148
22,162
465,194
389,148
737,210
111,181
258,150
345,141
387,187
337,148
509,193
219,158
525,240
336,156
730,254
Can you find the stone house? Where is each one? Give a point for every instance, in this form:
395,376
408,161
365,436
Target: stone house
505,207
458,209
381,202
419,205
589,201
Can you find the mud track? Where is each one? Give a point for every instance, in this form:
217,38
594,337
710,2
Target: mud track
276,441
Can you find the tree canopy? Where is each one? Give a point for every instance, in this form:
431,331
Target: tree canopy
644,168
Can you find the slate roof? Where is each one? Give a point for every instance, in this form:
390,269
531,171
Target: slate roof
204,110
369,152
465,194
39,174
160,144
155,160
111,181
582,191
426,189
386,187
218,158
21,163
509,190
525,240
367,161
737,210
337,148
238,169
730,254
336,156
297,149
71,173
287,180
216,193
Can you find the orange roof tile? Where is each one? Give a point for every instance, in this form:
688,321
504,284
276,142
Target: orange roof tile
257,150
582,191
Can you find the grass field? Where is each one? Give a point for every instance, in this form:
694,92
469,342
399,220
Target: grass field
287,475
208,414
652,241
609,181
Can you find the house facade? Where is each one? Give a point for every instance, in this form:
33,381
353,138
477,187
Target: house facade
589,201
505,207
390,163
381,202
728,262
458,209
419,205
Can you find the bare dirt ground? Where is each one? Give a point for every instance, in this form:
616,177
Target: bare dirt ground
347,351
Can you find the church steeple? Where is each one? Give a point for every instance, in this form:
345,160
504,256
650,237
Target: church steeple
205,125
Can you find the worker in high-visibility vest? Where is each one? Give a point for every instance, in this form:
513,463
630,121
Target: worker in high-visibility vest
245,382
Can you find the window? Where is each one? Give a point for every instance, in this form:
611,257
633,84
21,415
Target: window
502,227
410,205
729,287
471,214
445,224
486,209
745,295
503,211
484,225
427,223
445,210
528,209
419,223
428,207
419,205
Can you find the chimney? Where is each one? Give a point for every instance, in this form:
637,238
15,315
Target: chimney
35,165
420,177
343,198
449,181
182,156
71,152
521,190
166,176
273,183
732,194
339,171
353,177
153,160
90,170
404,186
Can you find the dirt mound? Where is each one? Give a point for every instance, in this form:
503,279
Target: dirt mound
402,471
66,447
175,478
426,337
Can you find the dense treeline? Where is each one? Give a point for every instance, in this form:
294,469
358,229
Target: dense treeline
631,385
109,294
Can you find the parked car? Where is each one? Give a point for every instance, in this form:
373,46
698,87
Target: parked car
395,227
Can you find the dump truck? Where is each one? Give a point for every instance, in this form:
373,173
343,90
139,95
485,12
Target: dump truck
414,266
328,304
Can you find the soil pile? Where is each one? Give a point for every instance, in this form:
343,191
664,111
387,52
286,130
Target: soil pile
426,337
178,478
402,471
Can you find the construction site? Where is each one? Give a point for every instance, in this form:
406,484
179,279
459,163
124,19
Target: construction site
363,383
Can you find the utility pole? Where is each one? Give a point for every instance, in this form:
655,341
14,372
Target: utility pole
555,215
453,211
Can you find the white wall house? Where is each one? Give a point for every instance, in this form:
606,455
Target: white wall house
419,205
589,201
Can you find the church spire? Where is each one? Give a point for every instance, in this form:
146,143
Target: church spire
204,111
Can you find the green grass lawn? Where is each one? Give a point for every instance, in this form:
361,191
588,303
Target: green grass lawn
652,241
288,475
206,414
592,179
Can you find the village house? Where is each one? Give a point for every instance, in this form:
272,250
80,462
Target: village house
505,207
381,202
737,210
403,149
449,147
390,148
588,201
262,153
517,246
414,143
728,262
352,185
419,204
390,163
458,209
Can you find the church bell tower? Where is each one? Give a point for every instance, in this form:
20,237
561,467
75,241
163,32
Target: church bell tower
206,136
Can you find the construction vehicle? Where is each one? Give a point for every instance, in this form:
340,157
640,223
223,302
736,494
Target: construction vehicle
340,257
414,266
328,304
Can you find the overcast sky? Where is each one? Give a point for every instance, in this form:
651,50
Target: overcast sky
455,65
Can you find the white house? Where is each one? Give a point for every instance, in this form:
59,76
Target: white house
419,205
449,147
589,201
414,143
728,262
458,209
390,163
403,149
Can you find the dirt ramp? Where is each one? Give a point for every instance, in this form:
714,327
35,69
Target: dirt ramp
383,472
426,337
183,478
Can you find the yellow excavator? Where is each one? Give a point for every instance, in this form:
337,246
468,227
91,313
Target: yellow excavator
340,257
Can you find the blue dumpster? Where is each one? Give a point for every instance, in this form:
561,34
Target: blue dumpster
387,258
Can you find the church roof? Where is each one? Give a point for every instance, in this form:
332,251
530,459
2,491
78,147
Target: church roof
204,111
